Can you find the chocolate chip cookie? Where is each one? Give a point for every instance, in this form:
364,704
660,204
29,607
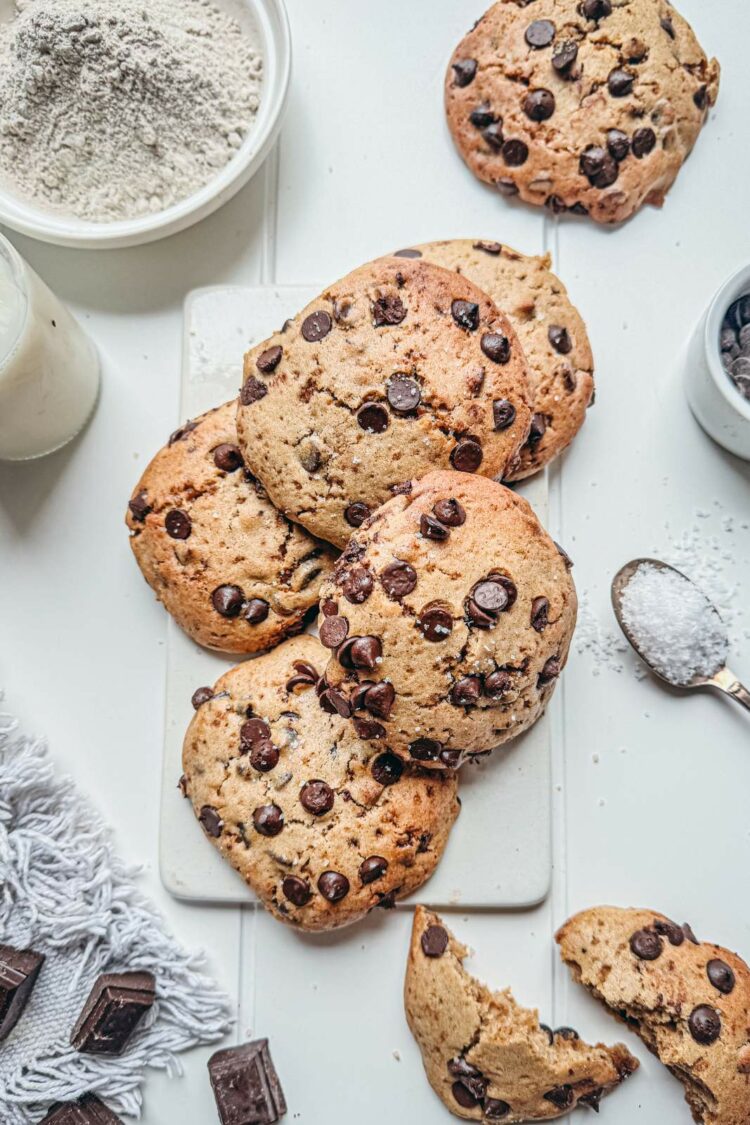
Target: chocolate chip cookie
323,827
399,368
449,618
689,1001
550,329
232,571
583,105
487,1058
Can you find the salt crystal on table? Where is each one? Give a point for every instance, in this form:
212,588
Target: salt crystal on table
675,627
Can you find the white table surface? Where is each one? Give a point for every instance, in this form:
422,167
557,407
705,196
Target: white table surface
651,790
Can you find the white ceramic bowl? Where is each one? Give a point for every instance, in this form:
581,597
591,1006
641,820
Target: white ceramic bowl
714,399
270,19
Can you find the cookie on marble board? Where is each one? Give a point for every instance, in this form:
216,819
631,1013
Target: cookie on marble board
449,618
232,571
688,1000
583,105
323,827
551,331
399,368
487,1058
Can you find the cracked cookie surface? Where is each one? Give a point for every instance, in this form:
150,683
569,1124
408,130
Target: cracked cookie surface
449,618
487,1058
552,334
689,1001
399,368
587,105
321,826
231,570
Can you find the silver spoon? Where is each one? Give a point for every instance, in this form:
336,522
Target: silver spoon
721,679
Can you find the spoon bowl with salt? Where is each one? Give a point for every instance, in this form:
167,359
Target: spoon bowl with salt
674,628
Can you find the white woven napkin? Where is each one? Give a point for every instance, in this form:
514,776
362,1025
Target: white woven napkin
64,893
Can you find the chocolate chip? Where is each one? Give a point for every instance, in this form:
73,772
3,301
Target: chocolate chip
482,116
379,700
705,1024
228,600
452,759
368,730
268,820
618,144
515,153
334,631
721,976
559,338
177,524
408,253
364,652
549,672
465,314
506,187
462,1095
467,455
296,890
564,55
398,579
669,930
373,417
306,676
333,886
537,430
433,529
491,597
668,26
503,413
356,514
592,1100
387,769
495,1109
181,433
257,611
212,823
556,204
450,513
567,1033
316,797
388,310
436,624
579,209
540,34
687,929
539,105
598,166
316,326
646,945
402,489
269,360
596,9
497,684
139,507
700,97
539,614
564,556
252,391
200,696
434,941
372,869
358,585
493,248
496,347
228,458
466,692
644,141
560,1096
464,72
620,82
341,703
253,732
425,749
404,393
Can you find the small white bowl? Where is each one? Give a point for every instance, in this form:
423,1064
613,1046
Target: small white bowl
269,18
723,412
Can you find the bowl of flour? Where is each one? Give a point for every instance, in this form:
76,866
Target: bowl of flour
123,121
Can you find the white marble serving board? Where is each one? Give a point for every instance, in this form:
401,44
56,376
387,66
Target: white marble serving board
499,854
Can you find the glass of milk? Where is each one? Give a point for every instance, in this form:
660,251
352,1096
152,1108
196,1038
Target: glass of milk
49,368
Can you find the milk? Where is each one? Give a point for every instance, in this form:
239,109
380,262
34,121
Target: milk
49,369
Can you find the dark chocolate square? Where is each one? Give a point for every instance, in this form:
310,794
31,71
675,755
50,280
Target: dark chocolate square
88,1111
246,1085
19,969
116,1005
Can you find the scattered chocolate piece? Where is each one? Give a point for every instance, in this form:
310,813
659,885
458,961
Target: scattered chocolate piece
670,930
537,429
515,153
705,1024
87,1111
559,338
358,585
700,97
561,1096
434,941
379,700
334,631
493,248
620,82
495,1109
181,433
425,749
599,166
549,672
368,730
466,692
19,969
316,327
687,929
432,528
256,611
246,1085
539,614
497,684
618,144
644,142
306,676
596,9
435,623
269,360
482,116
296,890
409,253
373,418
116,1005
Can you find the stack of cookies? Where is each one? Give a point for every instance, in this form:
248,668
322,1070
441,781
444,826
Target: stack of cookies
379,423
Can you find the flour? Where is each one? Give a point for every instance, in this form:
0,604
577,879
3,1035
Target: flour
112,109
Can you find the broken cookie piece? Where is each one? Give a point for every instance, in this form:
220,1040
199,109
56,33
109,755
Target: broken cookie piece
689,1001
487,1058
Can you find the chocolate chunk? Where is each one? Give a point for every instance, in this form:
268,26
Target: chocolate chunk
388,310
434,941
560,1096
432,528
268,820
372,869
373,418
464,72
721,976
269,360
599,166
467,455
540,34
334,631
333,886
435,623
296,890
495,1109
358,585
466,314
466,692
228,600
404,393
620,82
596,9
200,696
387,769
182,432
549,672
88,1110
317,797
646,945
398,579
515,153
618,144
497,684
256,611
425,749
539,105
246,1085
116,1005
705,1024
252,391
379,700
537,430
669,930
228,458
316,327
644,142
482,116
496,347
177,524
19,969
450,513
564,54
211,822
503,413
139,507
356,514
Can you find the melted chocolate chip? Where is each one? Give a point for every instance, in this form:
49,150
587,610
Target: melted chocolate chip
496,347
618,144
228,458
564,55
398,580
404,393
316,797
296,890
368,730
705,1024
539,105
435,623
434,941
139,507
464,72
646,945
669,930
252,391
333,886
356,514
387,769
450,513
177,524
228,600
373,417
212,823
644,142
269,360
466,314
372,869
433,529
466,692
497,684
358,585
482,116
467,455
540,34
721,976
620,82
495,1109
200,696
599,166
425,749
316,326
549,672
268,820
515,153
334,631
493,248
388,310
503,413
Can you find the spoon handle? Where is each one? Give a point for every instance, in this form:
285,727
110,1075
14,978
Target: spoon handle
740,693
